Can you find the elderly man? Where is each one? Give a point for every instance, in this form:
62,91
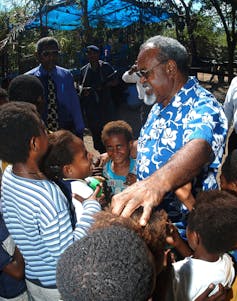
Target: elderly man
184,136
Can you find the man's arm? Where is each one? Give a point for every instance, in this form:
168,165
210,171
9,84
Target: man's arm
130,76
179,170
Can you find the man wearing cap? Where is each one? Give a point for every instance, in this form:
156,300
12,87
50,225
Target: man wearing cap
95,82
62,108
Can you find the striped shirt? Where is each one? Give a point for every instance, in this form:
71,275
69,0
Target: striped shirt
36,213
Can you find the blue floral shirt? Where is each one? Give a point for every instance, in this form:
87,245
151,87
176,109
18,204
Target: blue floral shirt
193,113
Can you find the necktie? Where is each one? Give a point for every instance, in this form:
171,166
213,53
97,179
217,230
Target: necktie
52,119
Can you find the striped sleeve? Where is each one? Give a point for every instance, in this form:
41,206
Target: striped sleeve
90,207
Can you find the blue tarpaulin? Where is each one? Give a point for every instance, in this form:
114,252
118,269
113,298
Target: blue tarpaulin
112,14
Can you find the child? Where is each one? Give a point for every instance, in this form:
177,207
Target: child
65,160
120,170
228,177
110,264
113,263
228,182
211,232
27,88
35,210
12,268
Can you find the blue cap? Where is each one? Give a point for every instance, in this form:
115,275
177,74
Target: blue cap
93,48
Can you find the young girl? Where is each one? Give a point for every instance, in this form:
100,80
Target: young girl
65,161
120,170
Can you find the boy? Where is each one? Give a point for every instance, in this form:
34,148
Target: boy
27,88
228,177
211,232
110,264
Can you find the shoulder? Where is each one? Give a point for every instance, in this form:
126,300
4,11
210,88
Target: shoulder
227,259
234,82
62,70
33,71
105,65
84,67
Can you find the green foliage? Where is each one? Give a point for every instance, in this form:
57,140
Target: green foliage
207,32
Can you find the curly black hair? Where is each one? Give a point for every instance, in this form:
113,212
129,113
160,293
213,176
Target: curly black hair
59,154
19,122
110,264
115,128
154,233
214,218
26,88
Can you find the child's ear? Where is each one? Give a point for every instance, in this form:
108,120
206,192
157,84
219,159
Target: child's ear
233,186
196,238
67,171
33,144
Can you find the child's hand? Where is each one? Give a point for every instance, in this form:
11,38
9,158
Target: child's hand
173,238
184,194
93,196
98,164
218,296
130,179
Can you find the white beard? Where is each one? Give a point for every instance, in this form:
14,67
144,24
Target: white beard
149,97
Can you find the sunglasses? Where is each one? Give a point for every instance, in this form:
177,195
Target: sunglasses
50,52
146,73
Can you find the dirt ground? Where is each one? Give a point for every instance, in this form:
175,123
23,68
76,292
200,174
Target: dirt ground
218,89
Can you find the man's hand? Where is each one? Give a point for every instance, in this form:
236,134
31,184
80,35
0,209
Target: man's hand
132,69
144,193
86,91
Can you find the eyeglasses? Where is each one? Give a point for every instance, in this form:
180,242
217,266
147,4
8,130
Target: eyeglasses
50,52
146,73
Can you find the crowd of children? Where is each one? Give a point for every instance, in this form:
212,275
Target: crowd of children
55,248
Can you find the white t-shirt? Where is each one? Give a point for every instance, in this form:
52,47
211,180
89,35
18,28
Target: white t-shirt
192,276
230,104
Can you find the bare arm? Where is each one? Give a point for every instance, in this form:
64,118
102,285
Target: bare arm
179,170
174,239
16,268
184,194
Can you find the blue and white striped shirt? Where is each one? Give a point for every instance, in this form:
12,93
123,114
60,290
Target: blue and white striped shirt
36,213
